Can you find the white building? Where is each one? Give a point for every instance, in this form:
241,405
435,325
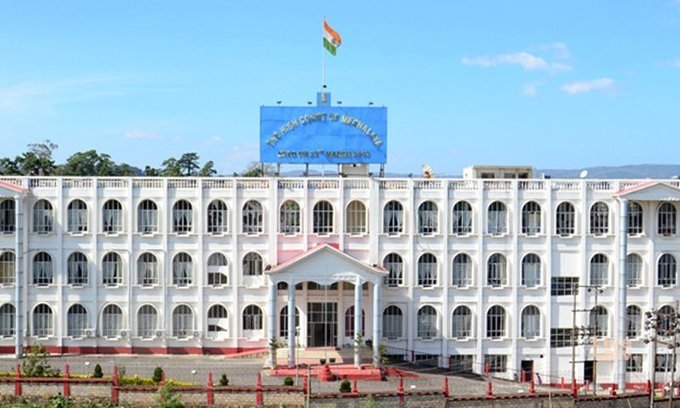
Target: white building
467,270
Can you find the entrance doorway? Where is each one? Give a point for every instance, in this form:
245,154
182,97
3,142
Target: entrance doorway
528,369
588,371
322,324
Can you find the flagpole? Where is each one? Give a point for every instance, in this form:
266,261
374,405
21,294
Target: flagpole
323,59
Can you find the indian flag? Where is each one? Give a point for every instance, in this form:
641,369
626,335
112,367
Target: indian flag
331,39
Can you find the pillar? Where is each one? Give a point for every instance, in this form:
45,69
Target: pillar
377,323
357,321
620,362
18,260
291,324
271,322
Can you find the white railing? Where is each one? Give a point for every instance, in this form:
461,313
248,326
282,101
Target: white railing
600,185
566,185
14,180
356,184
463,185
182,183
111,182
42,182
393,184
147,182
291,184
323,184
427,184
252,184
531,185
498,185
77,182
218,184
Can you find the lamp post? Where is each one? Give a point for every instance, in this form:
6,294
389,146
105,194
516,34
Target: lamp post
584,333
666,325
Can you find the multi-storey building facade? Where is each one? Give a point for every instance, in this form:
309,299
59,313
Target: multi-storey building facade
472,270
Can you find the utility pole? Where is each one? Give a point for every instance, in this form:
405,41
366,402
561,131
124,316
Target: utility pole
573,343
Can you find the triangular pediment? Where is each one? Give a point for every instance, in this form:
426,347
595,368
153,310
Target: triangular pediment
651,191
8,189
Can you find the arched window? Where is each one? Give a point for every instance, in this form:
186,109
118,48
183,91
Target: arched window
112,217
253,218
497,219
182,322
461,218
462,271
599,270
531,218
76,321
531,270
633,270
395,266
393,218
633,321
565,220
147,217
349,321
218,321
218,218
461,323
428,218
322,215
76,216
147,322
495,322
182,217
356,219
283,321
599,321
147,270
667,219
252,264
599,219
531,322
42,269
218,270
7,266
7,320
182,269
43,217
112,321
7,217
496,271
427,270
289,222
112,269
43,322
77,269
665,323
635,218
392,323
426,327
667,271
252,318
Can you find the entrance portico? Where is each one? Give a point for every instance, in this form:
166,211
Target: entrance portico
325,265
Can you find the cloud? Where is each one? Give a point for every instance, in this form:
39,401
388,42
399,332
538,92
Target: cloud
579,87
140,134
530,89
559,50
526,60
675,63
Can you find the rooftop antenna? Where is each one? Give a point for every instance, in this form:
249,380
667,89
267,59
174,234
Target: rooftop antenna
583,174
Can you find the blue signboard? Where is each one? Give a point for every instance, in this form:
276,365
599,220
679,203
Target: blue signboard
323,134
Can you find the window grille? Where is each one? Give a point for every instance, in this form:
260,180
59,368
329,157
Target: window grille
43,324
462,218
217,266
497,219
395,266
289,222
147,270
392,323
634,363
76,215
76,321
252,318
349,321
182,217
7,268
42,269
564,286
112,321
495,322
357,223
497,274
147,217
147,322
427,270
427,322
112,269
283,321
462,271
252,218
531,218
633,322
182,274
531,271
322,218
599,219
77,269
635,218
428,218
7,320
7,217
252,264
599,321
43,217
218,218
565,220
393,218
599,270
112,217
667,271
667,219
531,322
461,323
633,270
217,320
497,363
182,322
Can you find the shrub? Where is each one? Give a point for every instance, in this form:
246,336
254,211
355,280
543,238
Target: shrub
167,397
157,375
288,381
36,365
97,372
345,386
224,381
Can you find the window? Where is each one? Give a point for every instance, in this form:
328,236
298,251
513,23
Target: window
43,324
76,215
462,271
77,269
147,217
42,269
112,269
667,219
531,271
147,270
497,219
395,266
599,270
427,323
599,219
462,218
428,218
283,321
634,218
217,270
252,318
427,270
665,320
392,323
497,363
633,322
43,218
218,322
666,271
663,363
495,322
561,337
322,215
147,322
182,274
461,363
7,217
7,266
7,320
634,363
182,217
112,321
564,286
218,218
497,274
76,321
531,218
289,218
565,220
357,223
393,218
530,322
633,270
461,323
252,218
182,322
252,264
112,217
599,321
349,321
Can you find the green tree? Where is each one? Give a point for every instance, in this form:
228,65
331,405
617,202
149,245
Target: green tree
208,170
188,164
35,364
88,163
171,168
8,167
256,169
37,161
127,170
151,172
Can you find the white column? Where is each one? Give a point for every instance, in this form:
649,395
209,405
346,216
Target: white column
18,258
291,324
620,362
377,324
271,320
357,321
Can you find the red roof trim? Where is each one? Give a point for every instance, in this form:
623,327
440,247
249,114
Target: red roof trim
13,187
642,186
318,247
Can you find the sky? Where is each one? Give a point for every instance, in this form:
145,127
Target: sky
553,84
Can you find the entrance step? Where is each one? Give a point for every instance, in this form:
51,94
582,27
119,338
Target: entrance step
313,356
